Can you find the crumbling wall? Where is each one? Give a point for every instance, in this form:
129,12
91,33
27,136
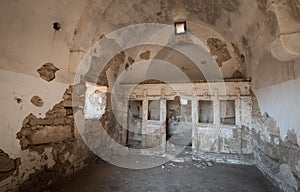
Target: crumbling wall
51,148
277,158
217,140
7,165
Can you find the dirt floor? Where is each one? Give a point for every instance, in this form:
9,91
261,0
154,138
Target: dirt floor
184,176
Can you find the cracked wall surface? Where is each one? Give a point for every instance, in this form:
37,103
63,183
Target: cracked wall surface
261,36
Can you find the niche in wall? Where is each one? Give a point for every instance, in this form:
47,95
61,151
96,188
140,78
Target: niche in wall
173,116
227,112
206,111
154,110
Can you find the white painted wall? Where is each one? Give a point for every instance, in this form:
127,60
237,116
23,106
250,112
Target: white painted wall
28,40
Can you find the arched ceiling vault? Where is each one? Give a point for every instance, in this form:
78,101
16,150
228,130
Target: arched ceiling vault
250,29
256,33
201,16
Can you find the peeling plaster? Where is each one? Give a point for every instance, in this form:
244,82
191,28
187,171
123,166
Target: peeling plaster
284,107
12,117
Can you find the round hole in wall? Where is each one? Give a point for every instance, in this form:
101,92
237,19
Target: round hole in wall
56,26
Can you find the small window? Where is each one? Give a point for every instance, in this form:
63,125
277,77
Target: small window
206,111
180,28
227,112
154,110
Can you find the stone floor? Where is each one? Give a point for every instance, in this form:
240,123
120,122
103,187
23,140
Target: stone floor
184,176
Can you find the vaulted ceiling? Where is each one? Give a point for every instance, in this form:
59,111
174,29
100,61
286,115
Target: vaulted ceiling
242,36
